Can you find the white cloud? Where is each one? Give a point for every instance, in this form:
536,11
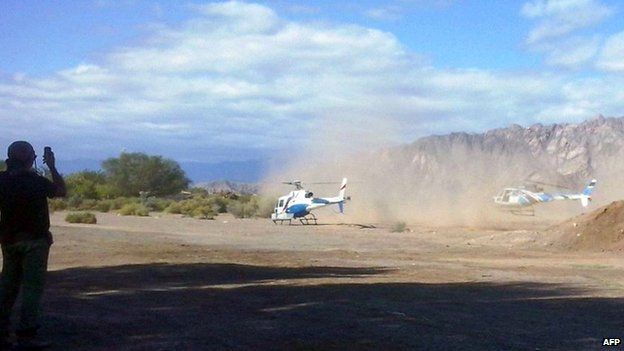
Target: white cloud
394,10
238,77
554,32
612,54
388,13
558,18
573,52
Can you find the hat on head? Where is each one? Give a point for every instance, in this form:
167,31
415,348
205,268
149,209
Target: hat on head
21,150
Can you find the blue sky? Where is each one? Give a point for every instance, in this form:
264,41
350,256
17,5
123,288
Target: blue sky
67,33
228,81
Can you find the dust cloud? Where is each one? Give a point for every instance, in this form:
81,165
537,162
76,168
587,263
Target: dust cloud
440,181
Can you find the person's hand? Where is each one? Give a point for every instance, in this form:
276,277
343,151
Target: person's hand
48,157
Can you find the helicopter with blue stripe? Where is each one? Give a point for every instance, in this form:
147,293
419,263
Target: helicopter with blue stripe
299,203
520,200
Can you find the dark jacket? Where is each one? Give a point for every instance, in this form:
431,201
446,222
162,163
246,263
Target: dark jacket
24,206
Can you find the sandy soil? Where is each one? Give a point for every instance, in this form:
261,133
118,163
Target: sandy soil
170,283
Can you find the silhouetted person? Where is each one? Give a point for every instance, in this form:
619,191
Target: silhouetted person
25,238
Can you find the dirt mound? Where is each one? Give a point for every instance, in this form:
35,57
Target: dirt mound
602,229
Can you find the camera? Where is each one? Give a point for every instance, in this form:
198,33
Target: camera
47,153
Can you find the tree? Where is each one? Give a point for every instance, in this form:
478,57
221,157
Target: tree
88,185
132,173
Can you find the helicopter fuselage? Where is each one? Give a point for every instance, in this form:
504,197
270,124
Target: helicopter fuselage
519,197
300,203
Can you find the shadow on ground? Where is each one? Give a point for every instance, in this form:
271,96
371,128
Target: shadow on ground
231,307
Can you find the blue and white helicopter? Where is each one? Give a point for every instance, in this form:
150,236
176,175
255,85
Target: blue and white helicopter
519,200
300,203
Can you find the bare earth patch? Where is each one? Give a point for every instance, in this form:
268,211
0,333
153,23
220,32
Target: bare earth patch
171,283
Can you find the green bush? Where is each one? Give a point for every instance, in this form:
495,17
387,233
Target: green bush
156,204
198,207
251,206
104,205
398,227
106,191
57,204
87,205
74,201
85,184
174,208
81,217
79,204
219,204
208,206
134,209
132,173
119,202
203,212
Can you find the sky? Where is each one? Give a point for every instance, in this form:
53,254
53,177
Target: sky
234,80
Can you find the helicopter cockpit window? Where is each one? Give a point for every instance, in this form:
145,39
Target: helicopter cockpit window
281,203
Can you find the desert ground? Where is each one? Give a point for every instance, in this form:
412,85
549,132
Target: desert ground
170,283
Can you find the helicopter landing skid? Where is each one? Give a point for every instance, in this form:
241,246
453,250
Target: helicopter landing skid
308,219
281,221
529,212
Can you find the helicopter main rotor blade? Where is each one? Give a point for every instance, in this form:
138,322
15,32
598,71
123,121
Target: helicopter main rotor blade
550,184
316,183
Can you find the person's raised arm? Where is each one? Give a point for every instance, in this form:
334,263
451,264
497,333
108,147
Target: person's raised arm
57,179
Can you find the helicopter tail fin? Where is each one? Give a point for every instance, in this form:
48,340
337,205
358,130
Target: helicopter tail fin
590,188
343,189
341,207
587,192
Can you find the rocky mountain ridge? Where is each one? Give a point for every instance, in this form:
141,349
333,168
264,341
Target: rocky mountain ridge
569,153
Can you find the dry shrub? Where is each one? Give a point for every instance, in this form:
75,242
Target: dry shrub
57,204
81,217
199,207
134,209
398,227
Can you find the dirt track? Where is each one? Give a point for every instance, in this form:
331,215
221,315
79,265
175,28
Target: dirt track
182,284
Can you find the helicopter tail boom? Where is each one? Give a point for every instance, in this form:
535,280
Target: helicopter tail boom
585,196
